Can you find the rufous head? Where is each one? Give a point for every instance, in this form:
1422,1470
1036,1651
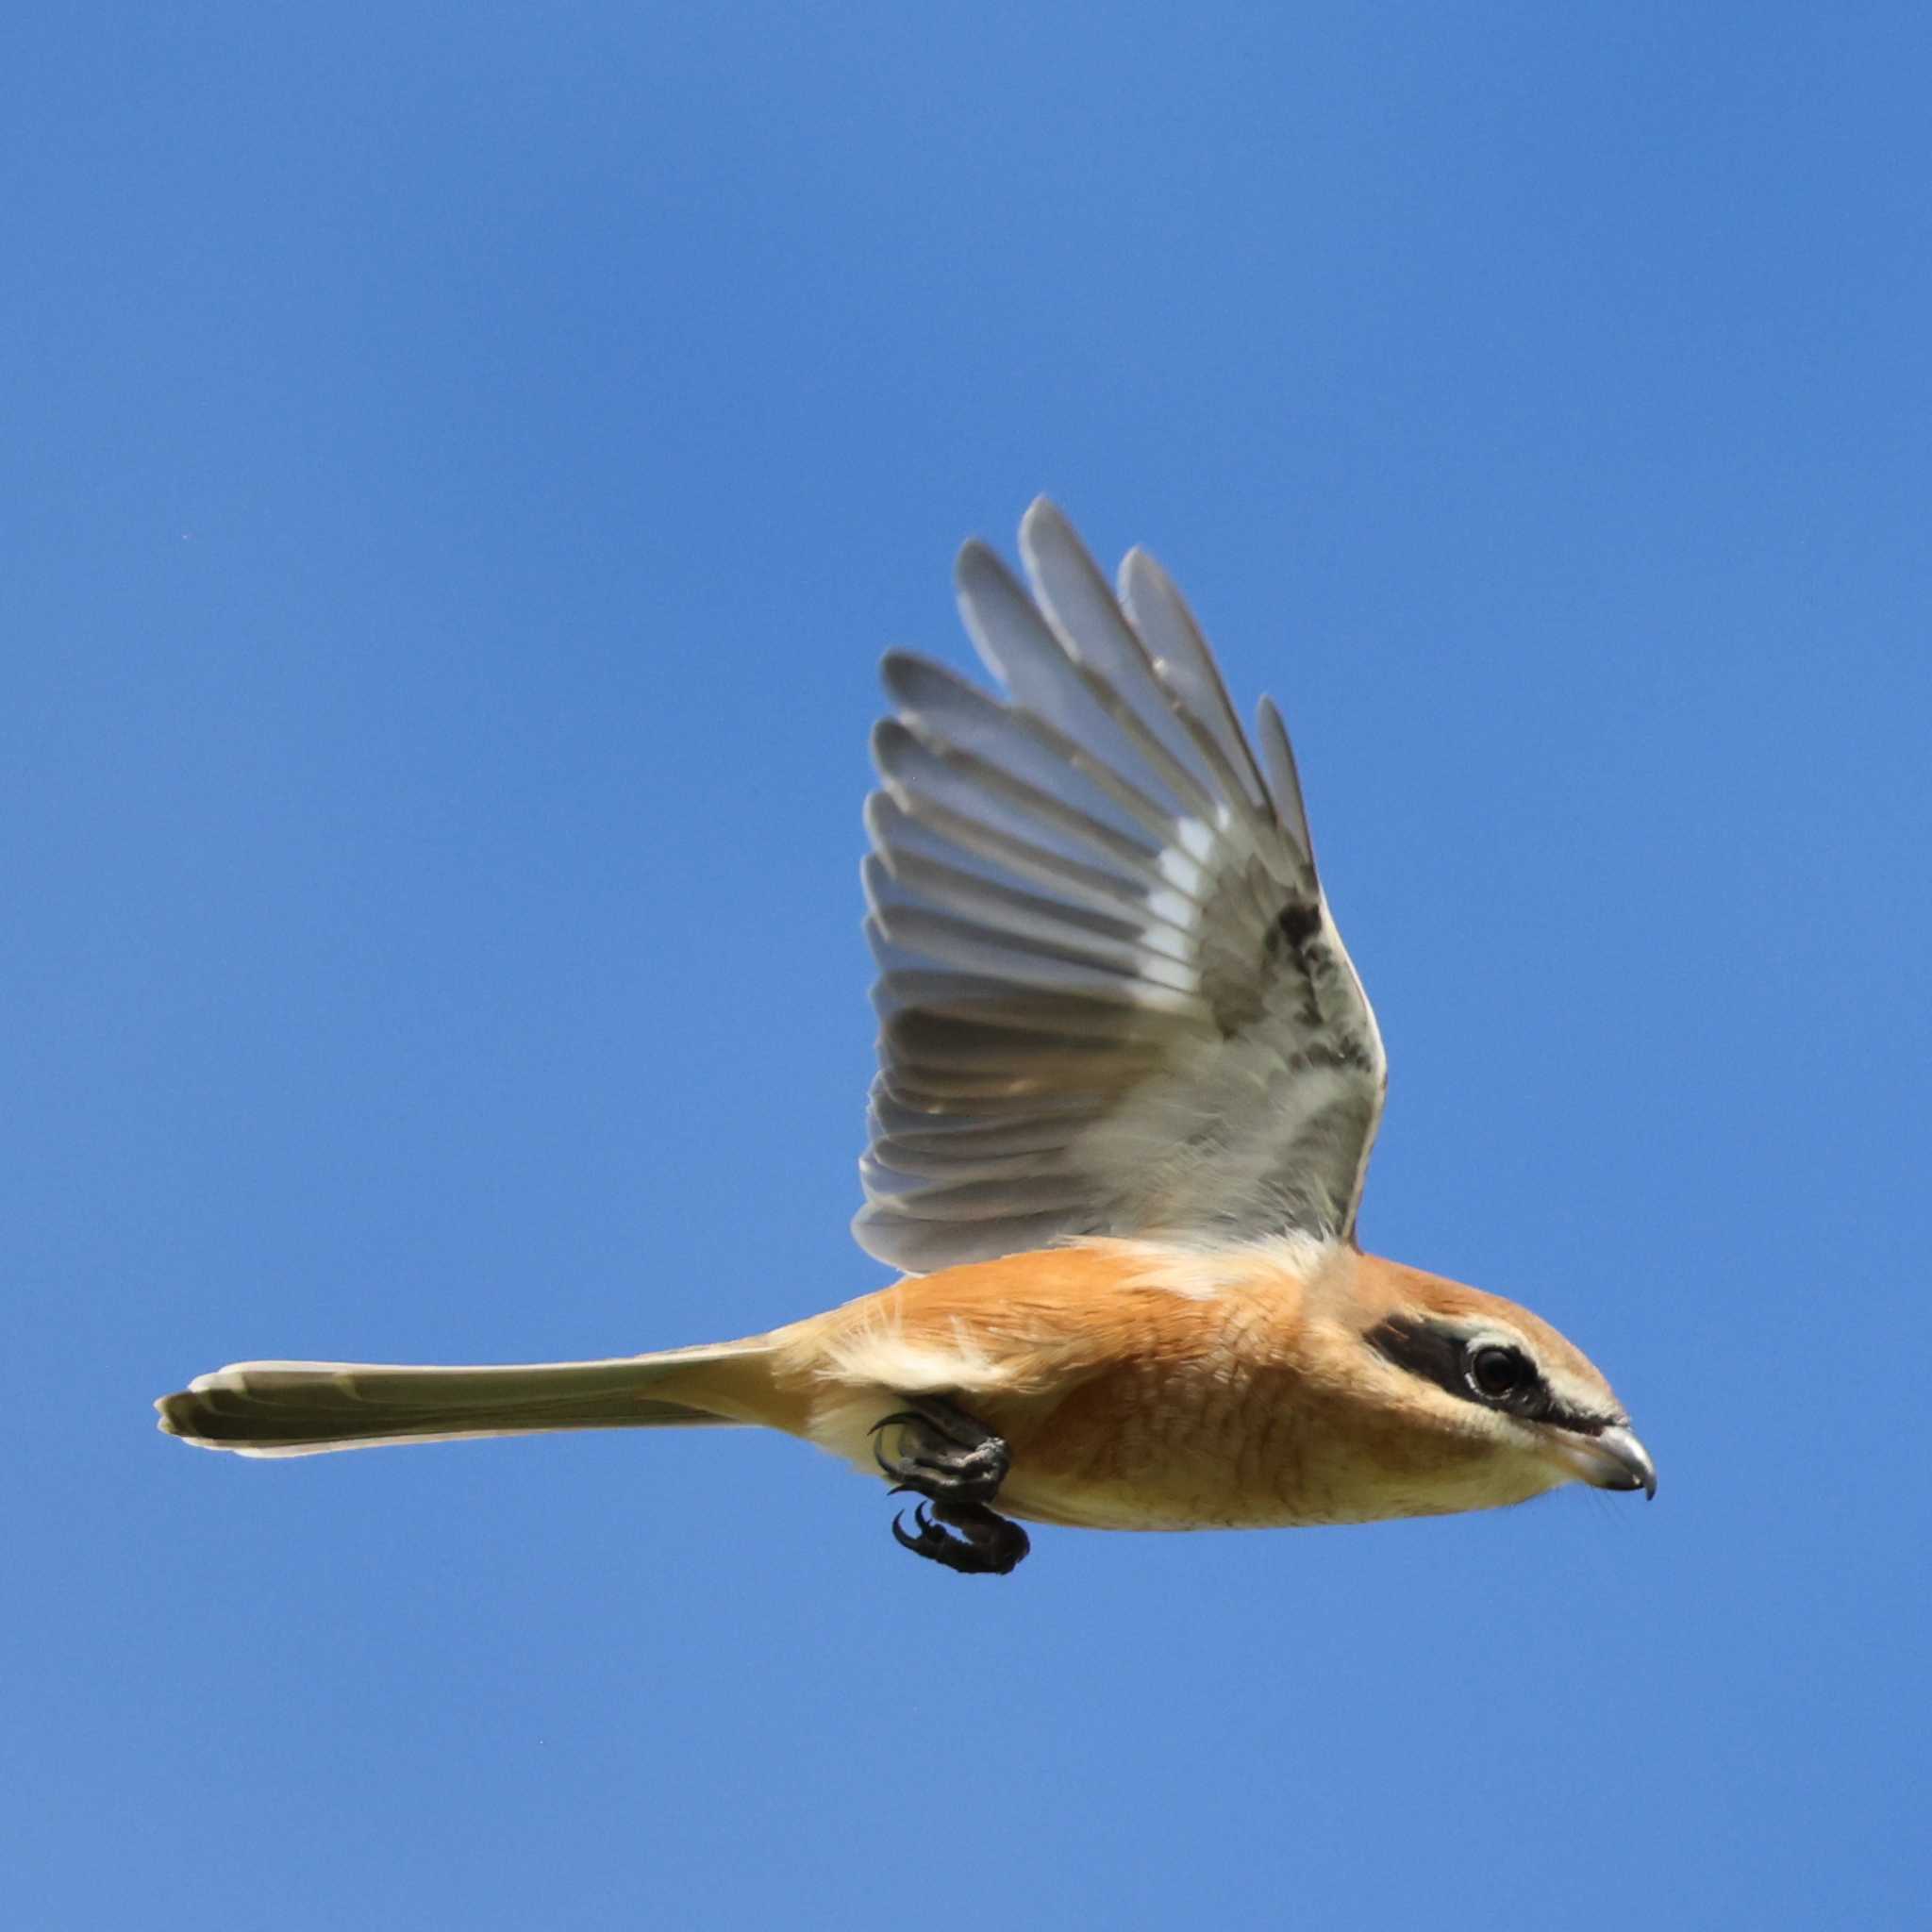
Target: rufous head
1494,1405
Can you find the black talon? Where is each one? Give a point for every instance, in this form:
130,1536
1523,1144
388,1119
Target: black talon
986,1544
931,1541
957,1464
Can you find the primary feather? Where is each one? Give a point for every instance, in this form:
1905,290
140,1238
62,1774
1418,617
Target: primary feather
1111,996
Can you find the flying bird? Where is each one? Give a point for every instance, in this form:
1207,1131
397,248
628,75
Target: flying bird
1129,1084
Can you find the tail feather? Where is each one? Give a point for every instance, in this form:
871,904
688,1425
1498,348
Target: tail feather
305,1408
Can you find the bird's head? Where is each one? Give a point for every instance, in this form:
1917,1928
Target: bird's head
1485,1403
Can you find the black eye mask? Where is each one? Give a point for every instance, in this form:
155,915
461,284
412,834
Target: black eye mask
1443,1356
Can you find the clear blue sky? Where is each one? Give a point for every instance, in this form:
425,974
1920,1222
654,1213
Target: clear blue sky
460,467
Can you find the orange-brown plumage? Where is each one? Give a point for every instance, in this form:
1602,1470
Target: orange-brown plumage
1140,1385
1129,1084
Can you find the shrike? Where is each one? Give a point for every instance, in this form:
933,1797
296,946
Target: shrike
1127,1088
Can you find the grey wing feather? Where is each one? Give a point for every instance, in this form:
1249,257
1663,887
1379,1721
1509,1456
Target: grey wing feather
1112,998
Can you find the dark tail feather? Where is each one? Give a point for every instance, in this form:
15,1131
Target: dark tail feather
303,1409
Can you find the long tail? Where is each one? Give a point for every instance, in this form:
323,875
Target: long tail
304,1408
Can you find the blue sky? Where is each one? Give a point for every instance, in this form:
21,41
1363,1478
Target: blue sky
461,468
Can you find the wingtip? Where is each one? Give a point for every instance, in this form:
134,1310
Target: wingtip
972,557
886,733
1047,527
897,670
1141,569
1041,516
1283,774
1140,583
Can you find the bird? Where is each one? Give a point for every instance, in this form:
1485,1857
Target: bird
1129,1083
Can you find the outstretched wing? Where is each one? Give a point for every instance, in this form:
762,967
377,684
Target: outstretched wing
1112,1000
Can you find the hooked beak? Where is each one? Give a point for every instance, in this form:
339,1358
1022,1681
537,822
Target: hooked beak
1611,1460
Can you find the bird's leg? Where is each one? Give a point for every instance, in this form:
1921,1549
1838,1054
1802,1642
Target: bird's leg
957,1464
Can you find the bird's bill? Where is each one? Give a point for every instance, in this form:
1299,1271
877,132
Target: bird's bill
1611,1460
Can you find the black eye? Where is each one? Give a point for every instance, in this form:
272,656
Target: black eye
1500,1373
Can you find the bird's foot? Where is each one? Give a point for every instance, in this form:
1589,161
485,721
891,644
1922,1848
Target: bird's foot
957,1465
985,1545
942,1453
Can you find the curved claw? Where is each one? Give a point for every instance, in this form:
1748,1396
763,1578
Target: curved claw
890,1465
920,1544
948,1460
974,1541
